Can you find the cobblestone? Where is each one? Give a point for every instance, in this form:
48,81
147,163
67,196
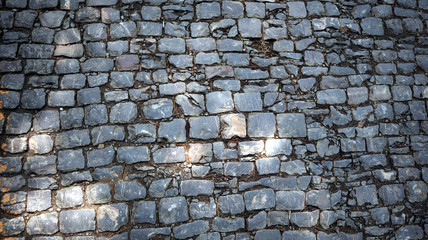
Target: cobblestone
213,119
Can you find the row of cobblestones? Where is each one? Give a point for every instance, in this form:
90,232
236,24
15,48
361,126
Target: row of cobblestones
203,119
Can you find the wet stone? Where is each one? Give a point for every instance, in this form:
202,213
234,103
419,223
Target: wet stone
36,51
112,217
38,4
68,36
75,221
129,191
66,66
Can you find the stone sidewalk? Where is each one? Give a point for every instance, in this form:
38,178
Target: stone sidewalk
204,119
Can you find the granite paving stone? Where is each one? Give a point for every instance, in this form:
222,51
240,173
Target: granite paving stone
169,119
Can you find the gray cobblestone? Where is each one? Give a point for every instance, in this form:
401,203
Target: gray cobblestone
213,119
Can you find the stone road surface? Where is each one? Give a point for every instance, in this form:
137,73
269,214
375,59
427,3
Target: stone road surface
205,119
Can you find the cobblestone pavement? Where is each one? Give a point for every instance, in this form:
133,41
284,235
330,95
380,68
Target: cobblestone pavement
203,119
